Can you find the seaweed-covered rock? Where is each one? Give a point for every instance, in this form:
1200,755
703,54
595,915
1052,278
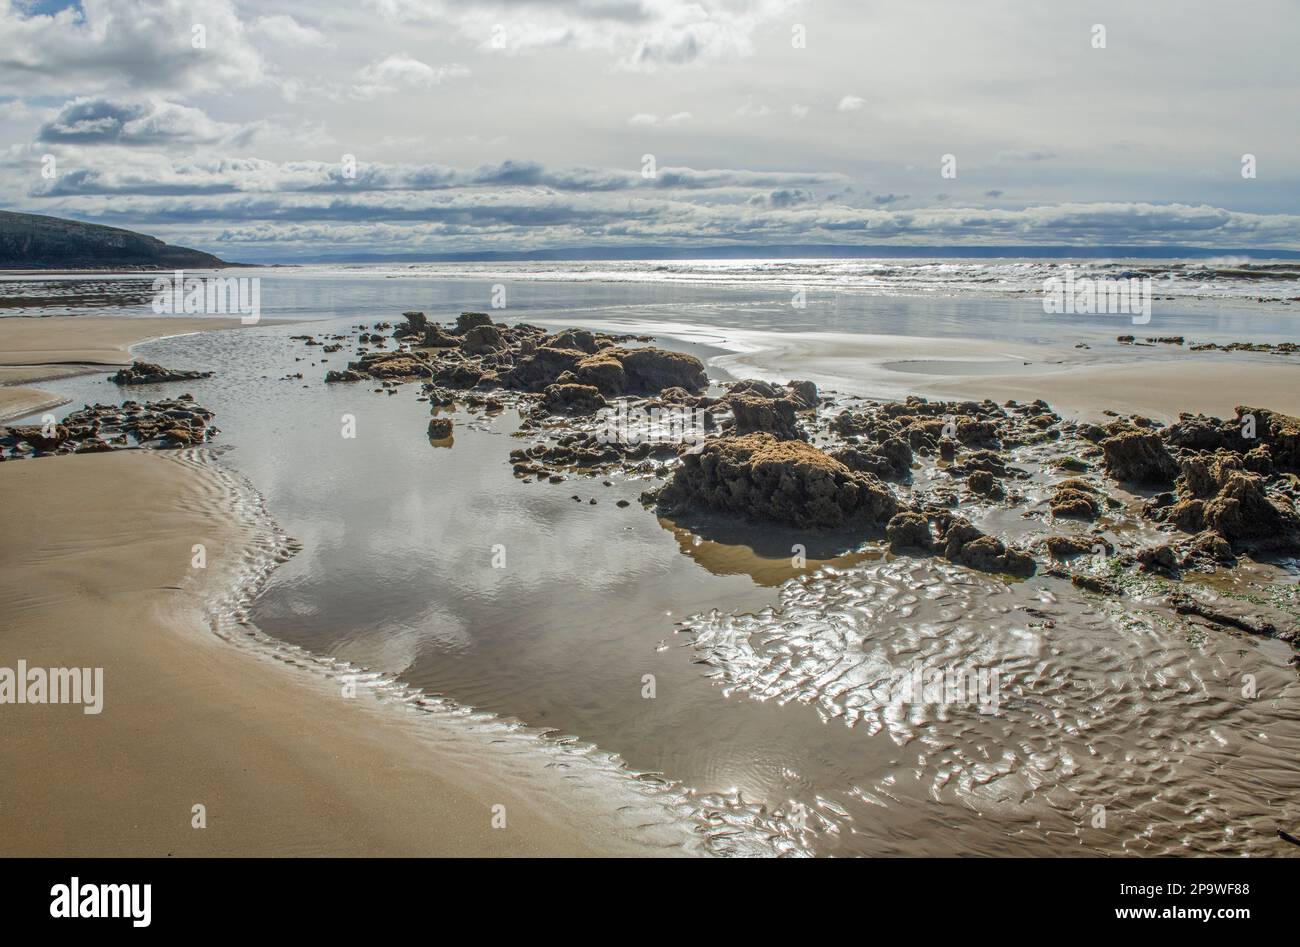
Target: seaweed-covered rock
1139,457
543,367
413,327
483,339
964,544
982,483
1162,559
1216,494
1281,432
1069,547
436,337
170,423
398,366
1072,503
805,392
765,479
579,339
147,373
471,320
652,370
754,414
440,429
1242,511
909,530
891,459
572,399
755,386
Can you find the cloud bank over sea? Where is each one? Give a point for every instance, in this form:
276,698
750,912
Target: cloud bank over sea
266,131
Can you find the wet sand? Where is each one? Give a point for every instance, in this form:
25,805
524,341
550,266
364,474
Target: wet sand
97,572
38,349
911,839
1158,382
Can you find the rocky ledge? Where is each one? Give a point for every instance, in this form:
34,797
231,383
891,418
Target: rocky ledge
147,373
172,423
922,477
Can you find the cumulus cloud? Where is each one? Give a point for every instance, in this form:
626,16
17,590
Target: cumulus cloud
145,123
851,103
146,44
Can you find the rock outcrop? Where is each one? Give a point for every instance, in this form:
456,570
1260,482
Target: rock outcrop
754,414
1139,457
170,423
789,482
621,371
572,399
148,373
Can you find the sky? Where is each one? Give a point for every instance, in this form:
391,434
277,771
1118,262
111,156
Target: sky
276,131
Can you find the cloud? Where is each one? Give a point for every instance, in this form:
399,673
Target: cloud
401,72
799,112
639,35
144,123
655,121
139,44
785,197
851,103
157,174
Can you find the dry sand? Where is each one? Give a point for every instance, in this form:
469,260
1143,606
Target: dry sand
95,572
39,349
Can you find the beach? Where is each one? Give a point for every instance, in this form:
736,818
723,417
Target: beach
39,349
97,572
394,578
1149,381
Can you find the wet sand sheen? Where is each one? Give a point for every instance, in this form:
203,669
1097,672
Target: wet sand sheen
41,349
282,764
388,578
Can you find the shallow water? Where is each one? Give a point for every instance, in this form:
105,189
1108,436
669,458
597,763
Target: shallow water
778,699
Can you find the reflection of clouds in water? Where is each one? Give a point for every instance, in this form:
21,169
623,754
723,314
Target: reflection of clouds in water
400,647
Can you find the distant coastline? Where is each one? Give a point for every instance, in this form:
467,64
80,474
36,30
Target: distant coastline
37,243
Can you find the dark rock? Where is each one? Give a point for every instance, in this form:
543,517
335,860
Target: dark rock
805,392
579,339
147,373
